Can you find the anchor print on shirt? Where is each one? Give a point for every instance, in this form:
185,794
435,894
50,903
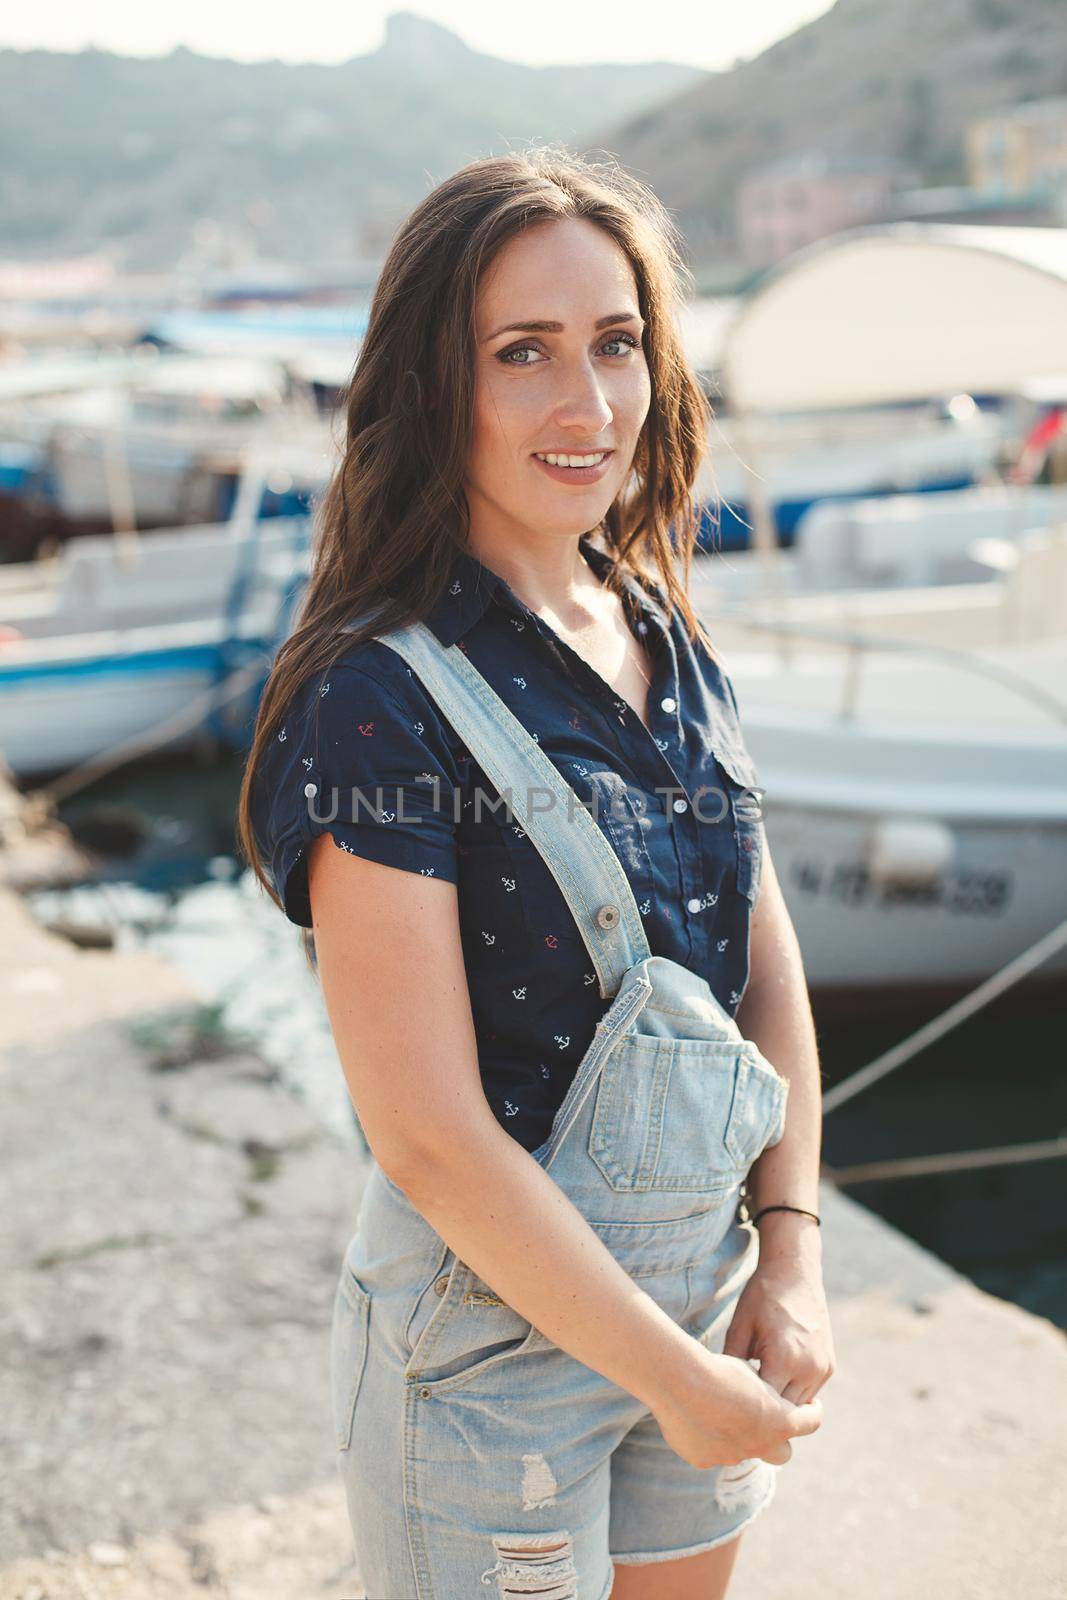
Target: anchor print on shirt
592,717
510,1109
457,588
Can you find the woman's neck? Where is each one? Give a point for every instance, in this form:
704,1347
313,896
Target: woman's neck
551,577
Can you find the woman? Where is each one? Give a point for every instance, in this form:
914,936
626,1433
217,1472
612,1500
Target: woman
530,1382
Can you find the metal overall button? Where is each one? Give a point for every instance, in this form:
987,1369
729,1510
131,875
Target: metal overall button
608,917
441,1285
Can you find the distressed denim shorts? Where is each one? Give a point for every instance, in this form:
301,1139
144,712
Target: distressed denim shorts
476,1455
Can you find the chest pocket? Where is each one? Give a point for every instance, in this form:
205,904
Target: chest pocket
628,818
746,812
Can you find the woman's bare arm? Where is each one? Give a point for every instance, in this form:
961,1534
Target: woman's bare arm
391,964
776,1014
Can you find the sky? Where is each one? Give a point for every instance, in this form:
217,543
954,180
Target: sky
554,32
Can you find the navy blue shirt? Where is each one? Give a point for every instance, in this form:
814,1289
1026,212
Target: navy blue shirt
367,724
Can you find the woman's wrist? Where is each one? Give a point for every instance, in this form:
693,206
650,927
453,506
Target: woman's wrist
788,1233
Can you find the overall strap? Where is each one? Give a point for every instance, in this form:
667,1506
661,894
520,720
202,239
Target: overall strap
579,856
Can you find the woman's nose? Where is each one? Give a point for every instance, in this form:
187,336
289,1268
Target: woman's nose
582,401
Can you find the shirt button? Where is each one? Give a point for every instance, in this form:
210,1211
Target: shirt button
668,704
681,805
310,789
692,905
608,916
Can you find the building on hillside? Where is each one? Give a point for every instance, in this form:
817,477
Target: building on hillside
1020,153
789,203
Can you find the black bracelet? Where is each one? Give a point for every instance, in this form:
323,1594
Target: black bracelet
764,1209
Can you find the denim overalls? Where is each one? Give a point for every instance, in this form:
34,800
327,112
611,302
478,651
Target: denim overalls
473,1450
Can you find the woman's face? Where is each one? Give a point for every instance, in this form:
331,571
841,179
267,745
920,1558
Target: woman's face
573,388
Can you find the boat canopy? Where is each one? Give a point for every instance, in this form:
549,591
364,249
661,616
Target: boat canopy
897,312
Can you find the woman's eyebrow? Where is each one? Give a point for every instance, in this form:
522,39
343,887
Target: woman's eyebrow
557,327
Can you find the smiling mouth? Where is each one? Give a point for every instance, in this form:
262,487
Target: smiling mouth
574,461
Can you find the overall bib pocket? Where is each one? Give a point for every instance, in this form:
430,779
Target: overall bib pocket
687,1115
348,1353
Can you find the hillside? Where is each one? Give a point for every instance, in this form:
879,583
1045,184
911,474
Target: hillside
897,78
317,161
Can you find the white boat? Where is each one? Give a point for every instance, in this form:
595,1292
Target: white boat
114,640
160,445
902,675
963,536
916,852
808,458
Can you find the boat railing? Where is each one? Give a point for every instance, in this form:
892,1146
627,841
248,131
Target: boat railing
859,644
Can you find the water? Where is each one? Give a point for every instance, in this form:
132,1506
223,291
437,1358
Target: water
994,1081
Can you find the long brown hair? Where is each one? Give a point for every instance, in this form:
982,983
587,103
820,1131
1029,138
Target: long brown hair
394,515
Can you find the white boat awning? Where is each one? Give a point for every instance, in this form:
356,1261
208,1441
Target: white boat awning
902,311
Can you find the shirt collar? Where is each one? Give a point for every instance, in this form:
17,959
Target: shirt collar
472,585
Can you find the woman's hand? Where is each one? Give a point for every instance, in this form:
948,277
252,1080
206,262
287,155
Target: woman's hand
781,1317
725,1413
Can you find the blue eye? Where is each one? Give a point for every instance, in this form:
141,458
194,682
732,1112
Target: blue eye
616,338
628,338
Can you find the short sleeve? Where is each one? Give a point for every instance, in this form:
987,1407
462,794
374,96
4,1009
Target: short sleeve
368,762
